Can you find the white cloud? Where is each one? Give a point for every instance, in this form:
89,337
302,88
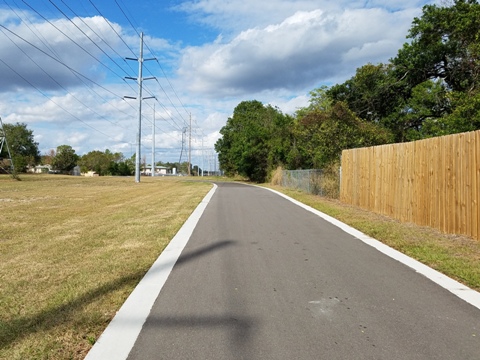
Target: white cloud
59,53
290,106
300,52
24,50
234,16
273,51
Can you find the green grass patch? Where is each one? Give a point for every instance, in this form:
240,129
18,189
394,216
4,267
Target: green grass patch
456,256
71,251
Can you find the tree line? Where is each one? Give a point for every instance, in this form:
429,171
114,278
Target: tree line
25,154
431,88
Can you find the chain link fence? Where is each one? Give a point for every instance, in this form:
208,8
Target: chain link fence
315,181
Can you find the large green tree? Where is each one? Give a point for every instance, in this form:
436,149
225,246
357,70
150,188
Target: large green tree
254,140
465,114
373,93
23,148
106,163
321,135
445,44
441,65
96,161
416,95
420,115
65,159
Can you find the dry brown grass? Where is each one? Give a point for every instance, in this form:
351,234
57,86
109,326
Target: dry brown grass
277,176
329,182
71,251
325,182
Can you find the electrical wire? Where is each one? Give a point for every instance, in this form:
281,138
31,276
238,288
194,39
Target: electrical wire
59,61
171,120
68,37
41,38
60,85
109,24
86,35
2,28
49,98
37,33
165,75
128,19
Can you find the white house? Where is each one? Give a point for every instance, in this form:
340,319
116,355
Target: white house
159,170
40,169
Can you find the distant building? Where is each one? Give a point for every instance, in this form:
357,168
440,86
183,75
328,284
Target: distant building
76,171
39,169
159,170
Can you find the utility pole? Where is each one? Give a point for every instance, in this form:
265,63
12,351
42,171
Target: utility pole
184,131
190,146
153,142
139,79
215,161
203,163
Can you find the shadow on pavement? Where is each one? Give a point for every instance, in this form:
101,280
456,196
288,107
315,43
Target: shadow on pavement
240,329
185,257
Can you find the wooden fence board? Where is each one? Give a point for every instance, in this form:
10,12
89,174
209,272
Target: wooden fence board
433,182
441,203
475,218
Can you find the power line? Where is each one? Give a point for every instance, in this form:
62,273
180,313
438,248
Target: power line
164,74
109,24
60,85
83,21
126,17
166,77
78,75
57,60
61,107
38,34
171,119
68,37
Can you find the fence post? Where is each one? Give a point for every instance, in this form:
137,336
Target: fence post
340,179
309,177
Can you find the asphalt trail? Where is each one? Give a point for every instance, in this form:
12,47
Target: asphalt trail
262,278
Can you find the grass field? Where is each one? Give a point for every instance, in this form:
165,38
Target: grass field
72,249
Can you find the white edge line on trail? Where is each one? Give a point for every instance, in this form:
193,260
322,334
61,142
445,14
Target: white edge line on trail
118,339
463,292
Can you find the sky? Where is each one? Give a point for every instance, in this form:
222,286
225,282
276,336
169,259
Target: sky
65,65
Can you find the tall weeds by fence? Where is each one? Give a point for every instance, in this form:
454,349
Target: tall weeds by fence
323,182
433,182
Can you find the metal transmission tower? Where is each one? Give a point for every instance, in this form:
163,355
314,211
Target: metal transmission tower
153,143
184,132
190,146
139,79
3,141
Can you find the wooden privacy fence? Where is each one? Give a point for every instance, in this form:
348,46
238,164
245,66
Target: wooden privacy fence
433,182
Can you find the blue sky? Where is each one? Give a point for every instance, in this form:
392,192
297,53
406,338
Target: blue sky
63,64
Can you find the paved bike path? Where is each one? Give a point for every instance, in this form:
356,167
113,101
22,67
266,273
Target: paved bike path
262,278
